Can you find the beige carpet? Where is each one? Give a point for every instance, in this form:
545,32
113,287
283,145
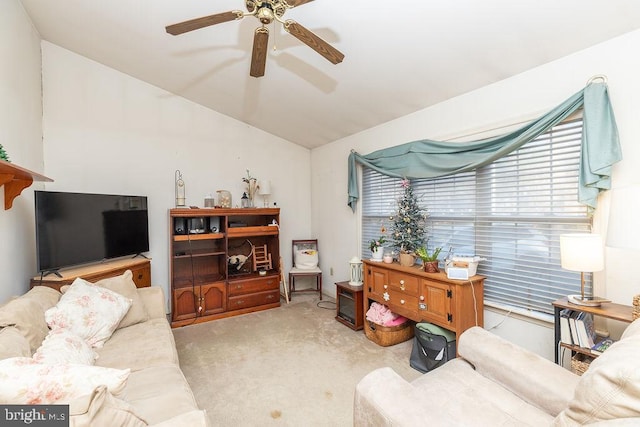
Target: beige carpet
290,366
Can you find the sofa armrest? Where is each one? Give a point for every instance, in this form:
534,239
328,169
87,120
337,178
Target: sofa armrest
384,398
618,422
153,298
195,418
535,379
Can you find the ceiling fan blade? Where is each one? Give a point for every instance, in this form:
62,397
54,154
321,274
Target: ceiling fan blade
295,3
332,54
259,54
205,21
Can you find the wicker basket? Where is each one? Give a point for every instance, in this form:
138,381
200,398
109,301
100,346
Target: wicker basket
388,335
580,363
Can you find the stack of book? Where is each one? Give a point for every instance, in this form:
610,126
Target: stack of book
577,328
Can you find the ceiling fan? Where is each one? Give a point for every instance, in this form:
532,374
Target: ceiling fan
266,11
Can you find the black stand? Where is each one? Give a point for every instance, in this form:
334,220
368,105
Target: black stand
46,273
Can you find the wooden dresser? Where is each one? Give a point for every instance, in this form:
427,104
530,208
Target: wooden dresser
140,267
455,305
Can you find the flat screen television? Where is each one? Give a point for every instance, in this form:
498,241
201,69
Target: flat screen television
81,228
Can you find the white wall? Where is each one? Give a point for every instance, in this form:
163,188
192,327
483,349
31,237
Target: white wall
21,136
106,132
521,97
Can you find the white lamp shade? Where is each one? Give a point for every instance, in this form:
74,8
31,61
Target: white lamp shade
264,188
581,252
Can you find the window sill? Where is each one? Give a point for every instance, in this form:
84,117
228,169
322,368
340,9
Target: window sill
537,318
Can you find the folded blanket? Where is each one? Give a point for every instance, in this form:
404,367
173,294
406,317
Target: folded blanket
381,315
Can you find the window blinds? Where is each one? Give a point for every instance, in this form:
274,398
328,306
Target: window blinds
510,212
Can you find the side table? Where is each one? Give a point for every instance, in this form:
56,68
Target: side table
608,310
349,305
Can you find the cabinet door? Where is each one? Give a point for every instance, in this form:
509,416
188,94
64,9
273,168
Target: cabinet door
185,303
437,299
213,298
376,281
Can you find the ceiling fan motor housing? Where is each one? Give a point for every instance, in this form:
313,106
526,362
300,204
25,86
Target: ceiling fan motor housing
267,10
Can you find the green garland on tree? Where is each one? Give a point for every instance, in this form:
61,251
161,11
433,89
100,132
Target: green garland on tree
3,154
408,225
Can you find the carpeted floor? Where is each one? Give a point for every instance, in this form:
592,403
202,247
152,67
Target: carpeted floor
290,366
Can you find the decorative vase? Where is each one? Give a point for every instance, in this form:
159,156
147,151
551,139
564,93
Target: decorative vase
430,266
377,253
407,260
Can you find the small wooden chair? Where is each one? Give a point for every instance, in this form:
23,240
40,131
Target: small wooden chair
261,258
306,270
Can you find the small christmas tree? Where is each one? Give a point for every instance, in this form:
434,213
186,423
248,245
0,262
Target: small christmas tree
3,154
409,222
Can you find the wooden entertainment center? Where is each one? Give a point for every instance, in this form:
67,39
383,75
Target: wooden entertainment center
456,305
213,270
140,267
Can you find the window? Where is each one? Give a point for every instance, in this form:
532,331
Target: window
510,212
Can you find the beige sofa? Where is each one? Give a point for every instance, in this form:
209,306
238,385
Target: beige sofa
495,383
155,393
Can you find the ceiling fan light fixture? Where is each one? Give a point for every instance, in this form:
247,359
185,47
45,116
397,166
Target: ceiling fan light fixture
265,15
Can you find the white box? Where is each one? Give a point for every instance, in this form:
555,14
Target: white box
462,267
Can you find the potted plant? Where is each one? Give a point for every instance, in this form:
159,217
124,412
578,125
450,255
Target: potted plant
375,245
408,225
429,260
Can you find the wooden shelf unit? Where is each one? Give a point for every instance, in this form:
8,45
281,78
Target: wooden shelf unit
15,179
204,286
455,305
607,310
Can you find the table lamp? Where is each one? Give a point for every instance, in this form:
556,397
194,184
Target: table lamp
582,252
355,271
264,189
180,190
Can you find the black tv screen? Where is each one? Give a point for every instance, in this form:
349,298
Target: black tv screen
80,228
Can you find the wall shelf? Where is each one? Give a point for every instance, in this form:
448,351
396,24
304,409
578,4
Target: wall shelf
15,179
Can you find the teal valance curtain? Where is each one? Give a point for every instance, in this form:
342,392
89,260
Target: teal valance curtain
430,159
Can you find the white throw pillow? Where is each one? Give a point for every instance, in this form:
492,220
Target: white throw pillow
89,311
63,346
27,382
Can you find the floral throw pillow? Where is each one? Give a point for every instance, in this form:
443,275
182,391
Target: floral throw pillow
63,346
27,382
91,312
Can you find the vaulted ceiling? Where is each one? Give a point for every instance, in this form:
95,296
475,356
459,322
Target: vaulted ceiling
400,56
